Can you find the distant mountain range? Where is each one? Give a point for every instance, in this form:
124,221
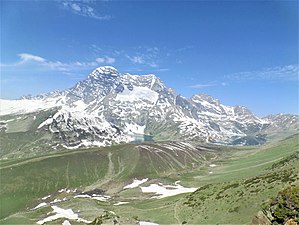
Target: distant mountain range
111,108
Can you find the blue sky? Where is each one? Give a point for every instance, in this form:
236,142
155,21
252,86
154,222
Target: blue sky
241,52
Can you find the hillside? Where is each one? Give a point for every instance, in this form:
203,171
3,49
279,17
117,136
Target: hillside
233,182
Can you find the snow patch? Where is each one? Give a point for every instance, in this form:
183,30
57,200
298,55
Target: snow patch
67,190
6,121
62,213
136,183
56,200
66,222
102,198
46,197
164,191
121,203
45,123
147,223
40,205
137,94
79,106
9,107
82,196
213,165
132,128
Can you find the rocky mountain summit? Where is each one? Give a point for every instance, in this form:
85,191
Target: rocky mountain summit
110,107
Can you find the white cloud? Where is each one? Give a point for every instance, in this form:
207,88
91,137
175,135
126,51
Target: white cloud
207,85
146,58
149,56
153,50
162,70
200,86
288,72
105,60
76,7
224,84
185,48
84,8
25,57
110,60
100,60
42,63
136,59
153,65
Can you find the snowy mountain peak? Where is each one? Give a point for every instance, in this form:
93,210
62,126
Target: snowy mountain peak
104,70
242,110
204,97
112,107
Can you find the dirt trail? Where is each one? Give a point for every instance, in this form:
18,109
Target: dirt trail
175,213
108,176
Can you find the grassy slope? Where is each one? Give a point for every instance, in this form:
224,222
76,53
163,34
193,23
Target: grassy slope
231,194
108,168
234,194
20,184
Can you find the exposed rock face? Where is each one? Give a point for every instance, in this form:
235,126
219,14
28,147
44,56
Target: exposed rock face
260,219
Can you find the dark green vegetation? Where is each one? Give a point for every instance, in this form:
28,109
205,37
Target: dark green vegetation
238,197
284,207
230,192
103,218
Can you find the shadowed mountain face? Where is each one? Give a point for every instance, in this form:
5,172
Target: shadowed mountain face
110,107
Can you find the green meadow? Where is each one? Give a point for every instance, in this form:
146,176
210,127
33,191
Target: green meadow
232,182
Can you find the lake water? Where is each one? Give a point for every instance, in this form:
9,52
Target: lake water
142,138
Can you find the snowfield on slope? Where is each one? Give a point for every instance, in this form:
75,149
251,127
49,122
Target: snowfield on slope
40,205
136,183
147,223
62,213
137,94
102,198
11,107
164,191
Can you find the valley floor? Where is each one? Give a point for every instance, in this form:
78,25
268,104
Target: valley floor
161,183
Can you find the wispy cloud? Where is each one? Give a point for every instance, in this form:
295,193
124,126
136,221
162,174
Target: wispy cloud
146,56
24,58
67,67
224,84
84,8
28,57
105,60
38,61
162,70
288,72
213,84
185,48
136,59
200,86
